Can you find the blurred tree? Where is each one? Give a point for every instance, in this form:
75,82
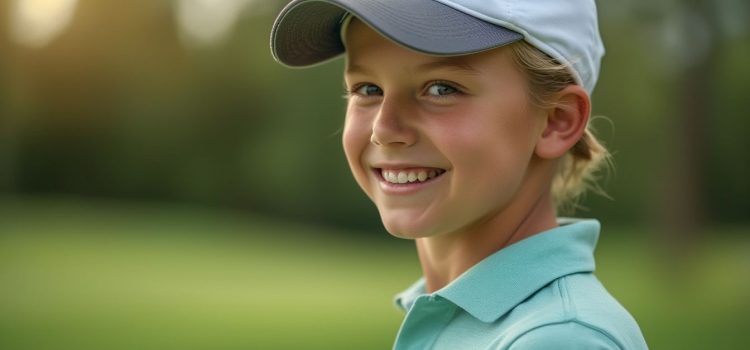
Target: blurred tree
684,211
693,40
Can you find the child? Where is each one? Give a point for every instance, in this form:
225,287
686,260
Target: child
466,125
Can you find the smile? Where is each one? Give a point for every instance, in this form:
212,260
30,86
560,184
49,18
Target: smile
404,176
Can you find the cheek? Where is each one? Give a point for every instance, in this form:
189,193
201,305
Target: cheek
355,138
500,127
496,148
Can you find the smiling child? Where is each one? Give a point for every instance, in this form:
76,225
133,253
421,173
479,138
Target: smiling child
467,126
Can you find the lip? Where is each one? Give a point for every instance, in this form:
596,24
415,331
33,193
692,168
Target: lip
405,188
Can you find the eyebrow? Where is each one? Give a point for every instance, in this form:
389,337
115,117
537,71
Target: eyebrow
355,69
447,63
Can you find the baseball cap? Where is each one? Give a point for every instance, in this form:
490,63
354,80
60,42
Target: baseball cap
307,32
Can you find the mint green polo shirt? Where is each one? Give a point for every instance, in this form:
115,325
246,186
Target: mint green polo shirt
539,293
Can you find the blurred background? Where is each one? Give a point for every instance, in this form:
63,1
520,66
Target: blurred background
165,184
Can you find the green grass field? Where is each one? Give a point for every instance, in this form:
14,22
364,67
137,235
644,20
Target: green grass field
96,275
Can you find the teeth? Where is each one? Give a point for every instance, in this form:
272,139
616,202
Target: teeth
412,176
392,177
402,177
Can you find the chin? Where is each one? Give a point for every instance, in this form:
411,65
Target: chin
406,230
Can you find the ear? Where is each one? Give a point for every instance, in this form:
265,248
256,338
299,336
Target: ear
566,122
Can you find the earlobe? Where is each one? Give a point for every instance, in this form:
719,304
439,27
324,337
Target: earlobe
566,122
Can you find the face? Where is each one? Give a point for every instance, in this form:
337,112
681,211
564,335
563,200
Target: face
440,145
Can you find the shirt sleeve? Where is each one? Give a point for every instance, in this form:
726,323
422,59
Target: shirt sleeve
564,336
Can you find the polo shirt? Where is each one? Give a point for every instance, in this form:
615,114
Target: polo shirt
538,293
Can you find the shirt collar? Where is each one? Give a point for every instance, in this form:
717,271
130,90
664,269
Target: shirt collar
495,285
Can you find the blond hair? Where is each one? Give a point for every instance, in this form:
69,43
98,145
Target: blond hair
577,170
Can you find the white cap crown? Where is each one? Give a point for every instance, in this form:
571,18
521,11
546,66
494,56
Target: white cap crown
567,30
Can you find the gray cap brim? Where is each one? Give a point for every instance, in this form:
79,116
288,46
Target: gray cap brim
307,32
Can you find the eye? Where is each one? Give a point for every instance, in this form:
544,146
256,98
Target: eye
441,89
368,90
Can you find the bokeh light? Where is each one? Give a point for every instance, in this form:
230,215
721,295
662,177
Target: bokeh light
35,23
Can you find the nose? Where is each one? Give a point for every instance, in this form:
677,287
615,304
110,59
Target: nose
392,125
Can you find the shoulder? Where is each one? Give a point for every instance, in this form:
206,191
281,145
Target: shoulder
566,335
574,312
589,303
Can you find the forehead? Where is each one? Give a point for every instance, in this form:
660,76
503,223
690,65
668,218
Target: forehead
358,35
365,46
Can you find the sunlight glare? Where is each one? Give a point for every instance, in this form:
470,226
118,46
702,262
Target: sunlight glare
35,23
207,22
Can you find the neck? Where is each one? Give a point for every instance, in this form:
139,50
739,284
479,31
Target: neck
445,257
